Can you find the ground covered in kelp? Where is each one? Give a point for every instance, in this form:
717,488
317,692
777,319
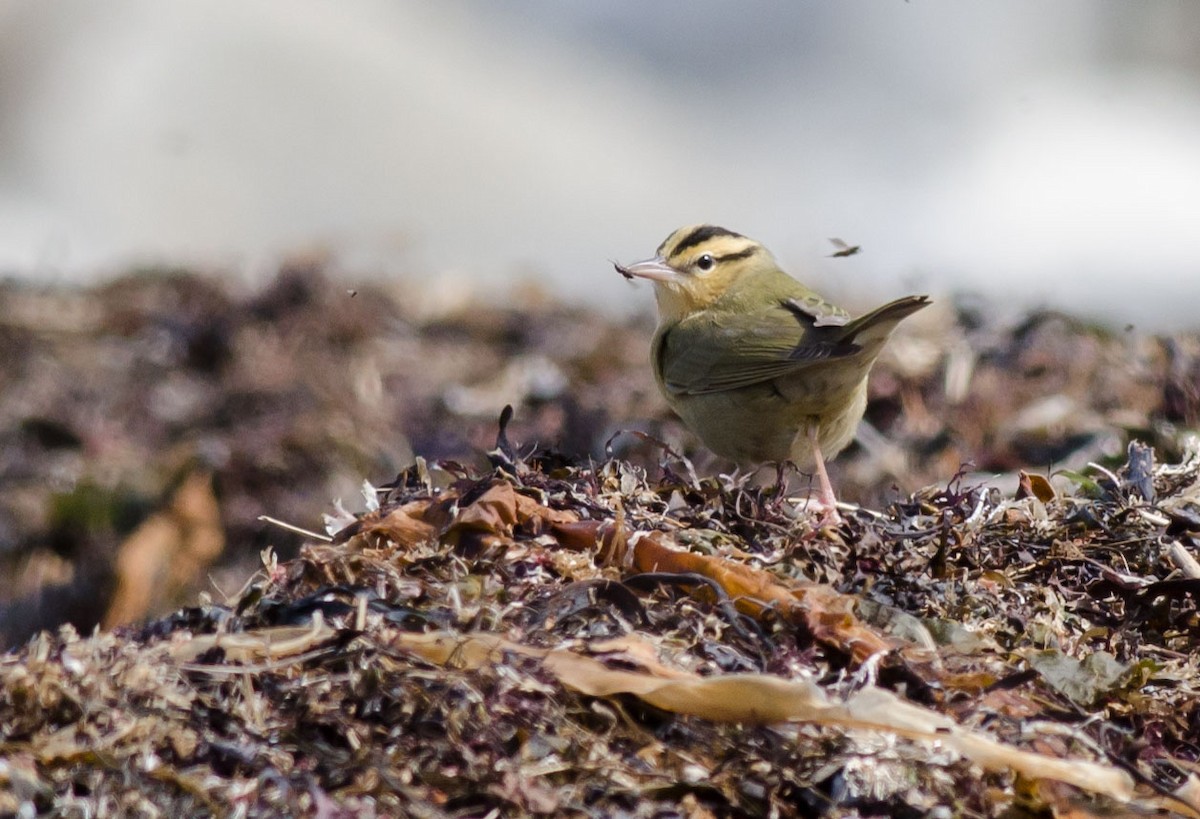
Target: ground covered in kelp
600,630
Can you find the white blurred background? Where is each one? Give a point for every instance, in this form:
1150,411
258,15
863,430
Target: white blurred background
1039,153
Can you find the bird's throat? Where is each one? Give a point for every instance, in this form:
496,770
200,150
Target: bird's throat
674,303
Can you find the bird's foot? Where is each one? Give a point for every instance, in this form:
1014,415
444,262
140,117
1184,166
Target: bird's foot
826,514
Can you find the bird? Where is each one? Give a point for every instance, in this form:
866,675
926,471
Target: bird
761,368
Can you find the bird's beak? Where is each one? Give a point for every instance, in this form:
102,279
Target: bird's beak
655,270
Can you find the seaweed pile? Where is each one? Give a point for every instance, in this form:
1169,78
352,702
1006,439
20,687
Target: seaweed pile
551,637
147,422
608,626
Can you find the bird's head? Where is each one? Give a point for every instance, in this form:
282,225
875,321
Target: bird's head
695,265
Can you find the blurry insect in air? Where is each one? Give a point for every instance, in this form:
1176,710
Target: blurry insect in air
843,249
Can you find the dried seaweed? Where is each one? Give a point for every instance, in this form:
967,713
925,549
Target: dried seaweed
606,628
573,641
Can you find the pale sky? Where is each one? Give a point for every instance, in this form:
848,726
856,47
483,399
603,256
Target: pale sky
1036,152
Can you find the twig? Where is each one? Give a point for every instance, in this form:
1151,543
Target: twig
291,528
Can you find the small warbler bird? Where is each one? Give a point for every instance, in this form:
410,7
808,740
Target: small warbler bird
757,365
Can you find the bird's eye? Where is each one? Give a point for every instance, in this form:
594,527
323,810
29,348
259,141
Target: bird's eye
706,262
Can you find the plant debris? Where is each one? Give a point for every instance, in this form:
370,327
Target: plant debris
545,638
607,628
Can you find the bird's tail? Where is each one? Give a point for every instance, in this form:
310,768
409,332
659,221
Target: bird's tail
874,327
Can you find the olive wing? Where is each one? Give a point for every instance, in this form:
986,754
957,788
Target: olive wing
705,354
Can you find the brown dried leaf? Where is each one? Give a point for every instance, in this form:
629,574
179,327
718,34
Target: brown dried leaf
167,554
1035,485
537,518
578,535
405,526
827,614
494,511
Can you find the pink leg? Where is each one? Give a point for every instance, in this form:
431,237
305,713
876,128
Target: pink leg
825,500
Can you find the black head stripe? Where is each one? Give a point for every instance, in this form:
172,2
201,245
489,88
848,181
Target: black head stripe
702,234
741,254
